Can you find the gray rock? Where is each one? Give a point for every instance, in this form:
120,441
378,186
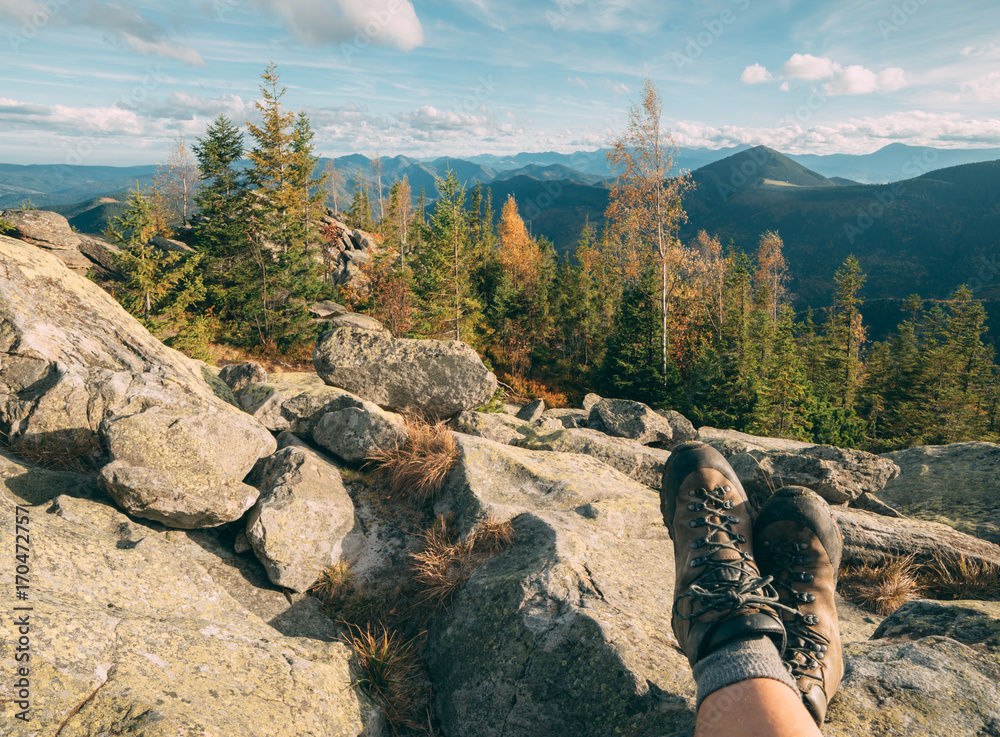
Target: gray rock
354,320
566,633
568,418
102,255
638,462
681,426
839,475
352,431
180,468
141,638
496,426
531,411
590,400
303,518
623,418
42,228
170,245
876,539
956,485
326,309
931,669
294,406
71,359
435,377
732,442
238,376
241,544
362,240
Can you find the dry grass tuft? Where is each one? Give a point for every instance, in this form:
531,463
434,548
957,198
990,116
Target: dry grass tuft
961,578
388,672
446,561
419,467
528,390
884,588
78,450
492,536
335,583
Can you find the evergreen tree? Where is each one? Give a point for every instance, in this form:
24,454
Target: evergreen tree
310,190
784,396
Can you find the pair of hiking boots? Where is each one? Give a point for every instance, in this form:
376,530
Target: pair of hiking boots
739,577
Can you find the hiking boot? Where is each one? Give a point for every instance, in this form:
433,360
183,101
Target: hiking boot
719,594
798,543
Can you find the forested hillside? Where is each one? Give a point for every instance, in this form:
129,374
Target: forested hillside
653,304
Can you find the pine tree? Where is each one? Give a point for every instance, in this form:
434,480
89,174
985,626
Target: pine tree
310,190
785,393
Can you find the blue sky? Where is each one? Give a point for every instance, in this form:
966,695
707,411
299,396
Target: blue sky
94,82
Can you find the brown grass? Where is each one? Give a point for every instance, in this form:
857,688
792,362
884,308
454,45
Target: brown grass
447,561
334,583
77,450
884,588
523,391
961,578
388,672
418,468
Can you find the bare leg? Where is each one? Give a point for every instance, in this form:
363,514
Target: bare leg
759,707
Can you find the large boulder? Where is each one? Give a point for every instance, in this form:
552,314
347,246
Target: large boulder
932,668
733,442
435,377
239,376
42,228
182,468
624,418
102,255
352,429
303,519
568,632
286,403
839,475
638,462
876,539
132,634
71,359
956,485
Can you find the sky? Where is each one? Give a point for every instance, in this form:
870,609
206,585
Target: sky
117,83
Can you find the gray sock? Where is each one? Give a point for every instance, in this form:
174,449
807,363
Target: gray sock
740,660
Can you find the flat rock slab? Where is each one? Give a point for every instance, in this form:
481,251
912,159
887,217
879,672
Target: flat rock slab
638,462
957,485
876,539
131,636
436,377
499,427
732,442
42,228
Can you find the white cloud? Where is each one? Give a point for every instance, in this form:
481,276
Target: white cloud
118,21
852,80
785,87
807,66
756,74
855,135
984,89
364,22
577,81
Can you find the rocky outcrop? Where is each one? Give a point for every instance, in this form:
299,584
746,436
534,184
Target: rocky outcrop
352,429
932,668
638,462
75,362
956,485
303,519
435,377
732,442
567,417
567,632
132,634
102,255
839,475
169,245
531,411
293,402
48,230
355,320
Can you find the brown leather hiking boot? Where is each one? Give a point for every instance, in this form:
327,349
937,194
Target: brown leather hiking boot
798,543
719,594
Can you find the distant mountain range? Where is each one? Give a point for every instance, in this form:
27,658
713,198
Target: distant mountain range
56,184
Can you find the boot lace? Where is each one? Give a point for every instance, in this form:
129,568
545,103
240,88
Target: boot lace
724,585
803,641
